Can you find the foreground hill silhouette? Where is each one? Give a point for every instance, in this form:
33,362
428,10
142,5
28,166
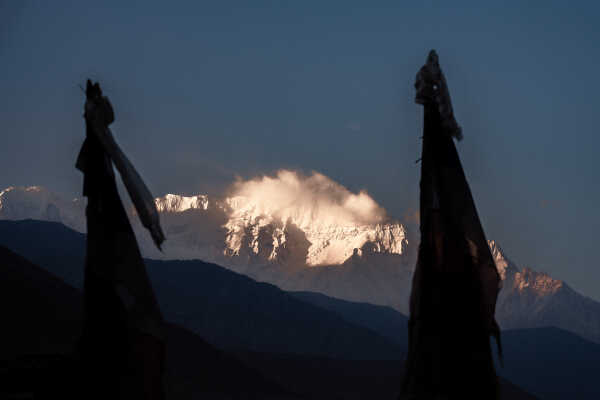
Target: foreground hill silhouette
549,362
207,299
552,363
384,320
529,299
42,318
227,309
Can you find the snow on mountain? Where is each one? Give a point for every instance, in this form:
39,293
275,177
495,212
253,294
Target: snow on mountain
531,299
176,203
36,202
289,219
334,220
330,243
310,233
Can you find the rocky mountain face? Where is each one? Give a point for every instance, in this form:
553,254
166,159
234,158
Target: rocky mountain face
531,299
300,248
294,249
301,324
36,202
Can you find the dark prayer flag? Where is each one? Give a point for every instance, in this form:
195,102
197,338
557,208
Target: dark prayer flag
456,283
122,344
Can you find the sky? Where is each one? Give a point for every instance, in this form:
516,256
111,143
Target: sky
205,92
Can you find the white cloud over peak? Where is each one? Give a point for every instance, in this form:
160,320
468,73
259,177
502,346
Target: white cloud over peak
309,200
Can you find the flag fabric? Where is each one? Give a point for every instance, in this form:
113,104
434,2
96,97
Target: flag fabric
122,346
455,284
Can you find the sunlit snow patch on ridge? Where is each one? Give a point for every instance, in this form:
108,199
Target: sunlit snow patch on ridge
176,203
287,218
334,220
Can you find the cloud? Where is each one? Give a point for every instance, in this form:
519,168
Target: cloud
309,200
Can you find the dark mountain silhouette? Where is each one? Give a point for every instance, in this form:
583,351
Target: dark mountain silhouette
41,322
386,321
41,332
40,313
345,379
549,362
233,311
227,309
194,292
50,245
552,363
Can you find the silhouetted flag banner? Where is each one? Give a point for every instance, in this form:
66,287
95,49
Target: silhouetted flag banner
122,345
456,283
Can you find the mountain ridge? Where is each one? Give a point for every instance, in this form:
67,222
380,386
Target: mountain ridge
249,231
269,250
194,294
194,369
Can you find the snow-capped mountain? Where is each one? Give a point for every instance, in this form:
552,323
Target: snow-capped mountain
36,202
235,230
330,243
315,236
174,203
530,299
312,243
264,214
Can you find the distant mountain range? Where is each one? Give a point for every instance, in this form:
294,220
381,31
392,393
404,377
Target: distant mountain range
211,301
42,316
295,247
531,299
229,310
237,229
41,319
551,363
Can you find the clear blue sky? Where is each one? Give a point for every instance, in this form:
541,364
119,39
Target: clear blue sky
204,91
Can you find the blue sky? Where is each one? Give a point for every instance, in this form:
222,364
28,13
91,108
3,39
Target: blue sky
206,91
